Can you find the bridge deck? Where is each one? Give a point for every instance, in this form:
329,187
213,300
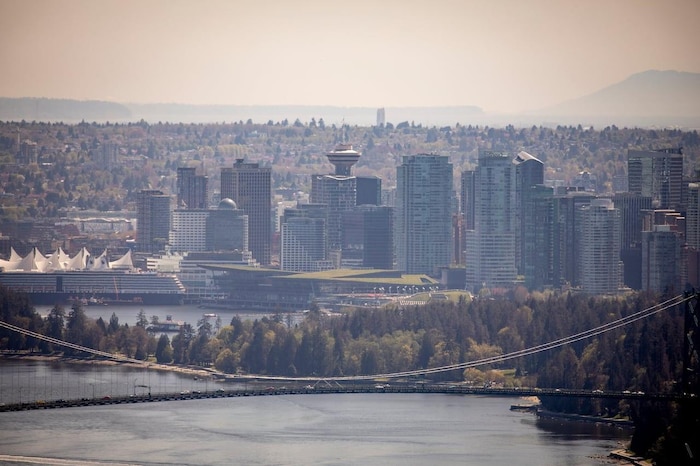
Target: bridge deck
328,389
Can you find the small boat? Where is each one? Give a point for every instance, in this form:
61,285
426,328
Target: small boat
211,315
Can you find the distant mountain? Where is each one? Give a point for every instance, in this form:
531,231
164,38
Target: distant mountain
65,110
74,111
664,98
363,116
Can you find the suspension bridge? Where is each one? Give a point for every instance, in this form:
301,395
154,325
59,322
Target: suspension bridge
401,382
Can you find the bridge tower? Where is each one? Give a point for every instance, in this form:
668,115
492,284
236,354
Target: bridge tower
691,361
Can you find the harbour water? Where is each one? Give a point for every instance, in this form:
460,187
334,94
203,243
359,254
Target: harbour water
187,313
368,429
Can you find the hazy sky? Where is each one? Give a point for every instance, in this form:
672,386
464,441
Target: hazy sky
501,55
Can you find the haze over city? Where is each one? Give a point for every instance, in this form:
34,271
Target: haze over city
502,56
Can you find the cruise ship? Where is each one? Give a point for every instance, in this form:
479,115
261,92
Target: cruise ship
60,279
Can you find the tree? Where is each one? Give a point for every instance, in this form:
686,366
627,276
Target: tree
76,327
142,320
55,324
427,350
164,352
113,324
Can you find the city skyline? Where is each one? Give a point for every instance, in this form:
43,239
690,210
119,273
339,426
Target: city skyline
503,56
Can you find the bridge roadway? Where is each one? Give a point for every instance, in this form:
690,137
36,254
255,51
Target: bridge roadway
327,388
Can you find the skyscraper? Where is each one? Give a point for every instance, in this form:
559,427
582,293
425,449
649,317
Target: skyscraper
567,237
191,189
658,174
693,234
539,238
153,220
369,190
490,245
662,260
249,186
337,191
600,247
423,214
631,206
467,198
303,239
529,172
368,236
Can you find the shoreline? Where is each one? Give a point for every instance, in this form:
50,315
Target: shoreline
191,370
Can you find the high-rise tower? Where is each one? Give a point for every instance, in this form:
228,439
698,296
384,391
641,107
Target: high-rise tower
338,191
529,172
490,245
249,186
658,174
343,157
423,214
600,247
191,189
153,220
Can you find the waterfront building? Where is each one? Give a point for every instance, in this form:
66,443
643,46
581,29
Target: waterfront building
191,189
221,229
490,246
153,220
249,186
600,247
337,191
657,174
189,230
423,214
227,228
303,238
368,237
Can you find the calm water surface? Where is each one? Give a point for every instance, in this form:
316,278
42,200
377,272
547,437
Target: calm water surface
189,313
367,429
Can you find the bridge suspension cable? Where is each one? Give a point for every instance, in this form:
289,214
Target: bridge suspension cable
67,344
535,349
621,322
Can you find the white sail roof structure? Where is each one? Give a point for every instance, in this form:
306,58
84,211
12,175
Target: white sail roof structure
123,262
59,260
34,261
79,261
98,263
12,263
14,257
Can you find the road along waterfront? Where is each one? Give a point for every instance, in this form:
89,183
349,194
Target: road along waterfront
348,429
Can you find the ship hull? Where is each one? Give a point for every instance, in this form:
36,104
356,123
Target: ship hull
112,288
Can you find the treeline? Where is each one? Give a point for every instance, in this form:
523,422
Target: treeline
644,356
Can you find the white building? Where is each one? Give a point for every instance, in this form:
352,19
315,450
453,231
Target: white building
600,247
